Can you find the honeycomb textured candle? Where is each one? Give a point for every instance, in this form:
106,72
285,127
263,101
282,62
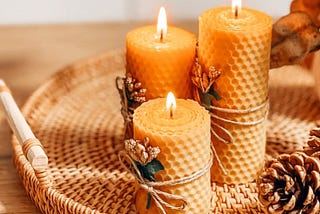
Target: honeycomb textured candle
240,49
161,66
184,141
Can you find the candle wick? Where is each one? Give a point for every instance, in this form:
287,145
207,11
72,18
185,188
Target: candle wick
236,12
161,35
171,111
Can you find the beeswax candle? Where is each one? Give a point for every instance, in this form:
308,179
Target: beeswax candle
161,65
237,43
184,141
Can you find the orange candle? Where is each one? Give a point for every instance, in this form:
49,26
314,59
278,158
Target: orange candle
237,43
161,59
182,132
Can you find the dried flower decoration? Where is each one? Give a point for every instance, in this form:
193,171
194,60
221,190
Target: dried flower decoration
135,93
204,83
203,80
132,95
144,158
141,151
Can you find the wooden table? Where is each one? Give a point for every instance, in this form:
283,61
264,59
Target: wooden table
28,56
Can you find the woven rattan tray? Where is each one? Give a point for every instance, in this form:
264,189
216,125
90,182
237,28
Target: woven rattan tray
76,116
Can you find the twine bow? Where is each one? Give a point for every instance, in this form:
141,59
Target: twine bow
157,195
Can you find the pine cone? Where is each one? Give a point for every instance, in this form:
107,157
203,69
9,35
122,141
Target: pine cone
313,147
291,184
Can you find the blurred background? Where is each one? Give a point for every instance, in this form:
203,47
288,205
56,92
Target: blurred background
66,11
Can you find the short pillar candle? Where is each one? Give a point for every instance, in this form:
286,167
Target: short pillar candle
184,141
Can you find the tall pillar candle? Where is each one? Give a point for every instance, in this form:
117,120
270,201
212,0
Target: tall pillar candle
161,64
184,141
237,43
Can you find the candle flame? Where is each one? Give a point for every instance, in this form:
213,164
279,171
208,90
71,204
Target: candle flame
171,103
236,7
162,24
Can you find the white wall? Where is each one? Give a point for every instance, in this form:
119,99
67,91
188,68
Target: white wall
56,11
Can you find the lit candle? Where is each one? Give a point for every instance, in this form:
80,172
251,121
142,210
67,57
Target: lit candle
161,59
171,103
236,7
237,43
162,25
184,142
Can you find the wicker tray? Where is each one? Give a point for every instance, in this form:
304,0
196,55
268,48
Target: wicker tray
76,116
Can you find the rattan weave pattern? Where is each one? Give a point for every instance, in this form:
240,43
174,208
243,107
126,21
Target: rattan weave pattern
76,116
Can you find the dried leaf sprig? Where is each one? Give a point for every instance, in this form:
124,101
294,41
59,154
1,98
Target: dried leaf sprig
203,80
204,83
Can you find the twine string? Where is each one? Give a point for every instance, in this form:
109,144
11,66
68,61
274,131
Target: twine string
157,195
218,160
265,104
229,135
240,111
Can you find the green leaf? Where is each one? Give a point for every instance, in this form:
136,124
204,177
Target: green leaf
216,95
153,167
143,171
147,171
150,169
148,201
206,98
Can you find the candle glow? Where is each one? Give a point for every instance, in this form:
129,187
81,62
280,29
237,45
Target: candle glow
236,7
162,24
171,103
